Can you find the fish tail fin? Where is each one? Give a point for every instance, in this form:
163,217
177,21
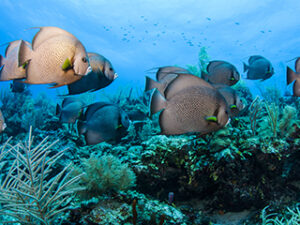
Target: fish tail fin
290,75
246,67
204,75
157,102
1,61
58,109
151,84
24,54
1,65
296,88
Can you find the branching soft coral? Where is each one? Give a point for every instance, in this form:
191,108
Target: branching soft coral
28,193
104,174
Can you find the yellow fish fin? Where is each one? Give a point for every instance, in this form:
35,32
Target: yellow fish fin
211,119
119,126
67,64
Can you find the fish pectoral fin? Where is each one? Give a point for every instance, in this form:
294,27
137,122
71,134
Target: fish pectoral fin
211,119
119,126
56,86
67,64
233,106
24,65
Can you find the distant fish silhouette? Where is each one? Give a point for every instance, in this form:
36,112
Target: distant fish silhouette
221,72
259,68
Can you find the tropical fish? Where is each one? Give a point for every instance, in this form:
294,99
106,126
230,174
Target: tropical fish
103,121
101,76
70,110
57,57
2,122
294,76
17,87
9,64
221,72
193,109
259,68
168,88
232,98
164,71
137,115
164,76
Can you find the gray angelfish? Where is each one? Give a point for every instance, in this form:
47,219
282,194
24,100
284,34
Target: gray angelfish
101,76
221,72
259,68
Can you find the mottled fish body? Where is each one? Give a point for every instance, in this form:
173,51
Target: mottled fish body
259,68
232,98
294,77
60,59
101,76
221,72
103,122
193,109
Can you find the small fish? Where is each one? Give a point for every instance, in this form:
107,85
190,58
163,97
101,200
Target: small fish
193,109
57,57
259,68
2,122
70,110
18,87
221,72
9,64
101,76
233,100
103,121
294,76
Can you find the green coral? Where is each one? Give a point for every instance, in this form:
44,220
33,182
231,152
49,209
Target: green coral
104,174
203,60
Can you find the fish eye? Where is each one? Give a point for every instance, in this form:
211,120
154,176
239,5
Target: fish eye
84,59
111,69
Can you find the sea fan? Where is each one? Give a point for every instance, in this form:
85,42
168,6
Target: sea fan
28,193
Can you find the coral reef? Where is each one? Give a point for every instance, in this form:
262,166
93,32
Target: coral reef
103,174
28,193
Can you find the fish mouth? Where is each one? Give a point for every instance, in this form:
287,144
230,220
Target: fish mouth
88,70
4,126
115,76
228,121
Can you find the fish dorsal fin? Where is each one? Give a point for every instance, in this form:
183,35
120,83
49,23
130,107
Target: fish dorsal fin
11,46
169,70
212,64
97,62
24,53
91,109
45,33
183,81
69,100
254,58
297,65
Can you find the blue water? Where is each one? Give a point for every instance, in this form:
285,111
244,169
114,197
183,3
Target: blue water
139,35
